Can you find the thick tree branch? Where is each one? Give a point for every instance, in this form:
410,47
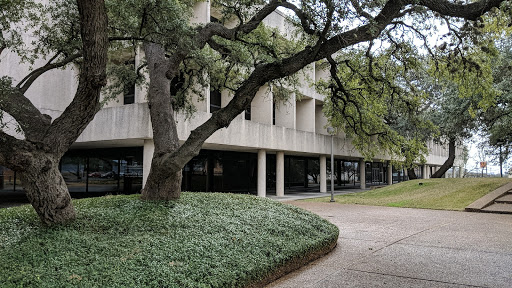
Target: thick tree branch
217,29
33,123
14,152
467,11
66,129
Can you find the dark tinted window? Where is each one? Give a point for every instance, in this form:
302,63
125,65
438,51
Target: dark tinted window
215,100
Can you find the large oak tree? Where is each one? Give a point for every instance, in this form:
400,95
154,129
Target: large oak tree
35,151
328,27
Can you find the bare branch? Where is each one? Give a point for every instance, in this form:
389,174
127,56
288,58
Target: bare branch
32,76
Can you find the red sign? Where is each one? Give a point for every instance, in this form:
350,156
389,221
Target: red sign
483,164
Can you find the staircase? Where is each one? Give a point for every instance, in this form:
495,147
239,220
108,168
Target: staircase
501,204
498,201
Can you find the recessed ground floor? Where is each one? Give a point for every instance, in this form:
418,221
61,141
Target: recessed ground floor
90,172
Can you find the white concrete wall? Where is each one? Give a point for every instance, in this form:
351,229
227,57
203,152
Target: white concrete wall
305,114
201,13
321,122
261,106
307,79
286,113
118,123
52,91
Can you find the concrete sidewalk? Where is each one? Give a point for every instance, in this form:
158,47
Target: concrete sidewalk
293,196
400,247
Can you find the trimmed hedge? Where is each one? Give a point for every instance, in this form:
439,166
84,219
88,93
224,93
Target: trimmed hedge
200,240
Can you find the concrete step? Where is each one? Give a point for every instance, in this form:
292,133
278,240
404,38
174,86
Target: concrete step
488,199
499,208
505,199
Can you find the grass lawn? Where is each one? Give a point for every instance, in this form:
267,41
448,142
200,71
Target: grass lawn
442,194
201,240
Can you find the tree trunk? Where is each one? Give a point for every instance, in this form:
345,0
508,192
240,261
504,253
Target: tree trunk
47,191
411,174
163,183
449,162
162,188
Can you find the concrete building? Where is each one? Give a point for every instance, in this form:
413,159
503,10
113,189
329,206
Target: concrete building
270,148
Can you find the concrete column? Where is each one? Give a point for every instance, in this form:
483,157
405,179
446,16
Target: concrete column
425,171
453,172
390,173
362,173
280,174
461,172
149,148
262,173
323,174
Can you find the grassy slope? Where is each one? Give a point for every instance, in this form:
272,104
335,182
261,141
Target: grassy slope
445,194
202,240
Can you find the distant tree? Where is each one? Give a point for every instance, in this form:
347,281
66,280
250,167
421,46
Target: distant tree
497,119
75,34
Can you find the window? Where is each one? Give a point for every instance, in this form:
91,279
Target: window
177,83
273,113
215,100
129,85
129,93
248,113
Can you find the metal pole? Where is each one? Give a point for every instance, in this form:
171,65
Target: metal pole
501,164
332,168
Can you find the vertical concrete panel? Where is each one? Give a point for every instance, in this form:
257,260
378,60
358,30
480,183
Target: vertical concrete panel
201,13
141,91
262,173
320,119
306,115
280,174
261,107
362,173
285,113
323,174
149,148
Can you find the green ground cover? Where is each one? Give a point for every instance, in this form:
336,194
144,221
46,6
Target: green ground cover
441,194
201,240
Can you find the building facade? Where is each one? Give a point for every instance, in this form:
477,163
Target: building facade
273,147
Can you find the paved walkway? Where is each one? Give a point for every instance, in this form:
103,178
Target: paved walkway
400,247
